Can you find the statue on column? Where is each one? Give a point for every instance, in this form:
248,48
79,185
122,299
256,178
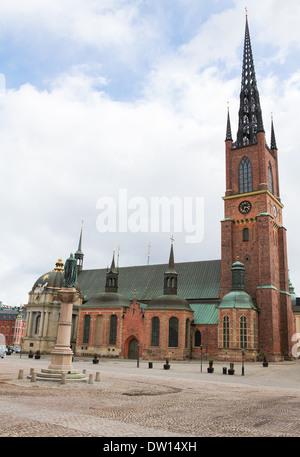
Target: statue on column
70,271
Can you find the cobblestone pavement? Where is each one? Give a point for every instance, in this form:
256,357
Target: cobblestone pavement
131,401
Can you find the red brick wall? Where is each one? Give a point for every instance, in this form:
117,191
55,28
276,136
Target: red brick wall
133,327
209,341
164,351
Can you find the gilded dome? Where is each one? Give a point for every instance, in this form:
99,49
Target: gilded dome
52,280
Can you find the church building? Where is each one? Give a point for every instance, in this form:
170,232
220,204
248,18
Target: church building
215,308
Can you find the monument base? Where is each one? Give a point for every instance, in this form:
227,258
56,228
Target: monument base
61,360
56,375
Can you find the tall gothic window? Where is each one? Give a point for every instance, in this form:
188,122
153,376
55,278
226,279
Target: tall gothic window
86,329
270,176
187,333
225,332
243,332
197,338
245,176
37,324
113,329
98,330
155,331
173,332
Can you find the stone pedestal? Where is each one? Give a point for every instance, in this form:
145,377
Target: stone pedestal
61,356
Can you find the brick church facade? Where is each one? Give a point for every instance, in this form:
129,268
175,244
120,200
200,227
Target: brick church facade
216,308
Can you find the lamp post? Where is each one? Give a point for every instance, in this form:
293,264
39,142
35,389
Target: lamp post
243,356
201,356
138,355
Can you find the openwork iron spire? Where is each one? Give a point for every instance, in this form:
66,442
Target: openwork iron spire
250,117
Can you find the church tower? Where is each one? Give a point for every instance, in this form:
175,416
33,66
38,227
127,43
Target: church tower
252,228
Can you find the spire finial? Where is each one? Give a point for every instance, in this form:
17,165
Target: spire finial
246,9
118,257
148,261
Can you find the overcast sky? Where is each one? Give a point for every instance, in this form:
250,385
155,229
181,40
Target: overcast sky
106,99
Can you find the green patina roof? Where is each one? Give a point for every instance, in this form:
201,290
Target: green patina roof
169,302
196,280
205,313
237,299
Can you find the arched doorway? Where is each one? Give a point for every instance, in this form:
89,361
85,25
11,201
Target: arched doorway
133,349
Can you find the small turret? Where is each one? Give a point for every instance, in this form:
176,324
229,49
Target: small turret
112,278
79,254
170,276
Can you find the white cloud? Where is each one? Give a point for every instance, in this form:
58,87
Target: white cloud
64,147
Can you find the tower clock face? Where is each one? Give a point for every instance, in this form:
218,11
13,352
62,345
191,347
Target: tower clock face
275,211
245,207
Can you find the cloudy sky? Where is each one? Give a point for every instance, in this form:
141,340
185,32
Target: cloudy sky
106,103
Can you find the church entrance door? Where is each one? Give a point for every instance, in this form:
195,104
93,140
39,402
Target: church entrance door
133,349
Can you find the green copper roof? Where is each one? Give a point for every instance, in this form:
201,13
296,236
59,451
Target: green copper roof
205,313
196,280
237,299
169,302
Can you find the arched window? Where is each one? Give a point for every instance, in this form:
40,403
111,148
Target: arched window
37,324
173,332
155,331
187,333
246,234
86,329
113,329
270,176
225,332
243,332
197,338
99,330
245,176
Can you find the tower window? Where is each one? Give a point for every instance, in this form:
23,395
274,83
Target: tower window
270,176
246,234
245,176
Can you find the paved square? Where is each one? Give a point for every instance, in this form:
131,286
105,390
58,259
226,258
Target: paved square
131,401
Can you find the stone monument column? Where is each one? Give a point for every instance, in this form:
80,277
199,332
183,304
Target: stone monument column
61,356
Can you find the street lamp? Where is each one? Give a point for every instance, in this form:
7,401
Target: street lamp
201,356
138,355
243,356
